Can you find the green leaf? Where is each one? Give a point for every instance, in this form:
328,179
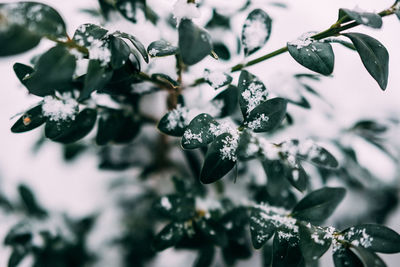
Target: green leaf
296,175
217,79
18,235
365,18
267,116
375,237
96,78
176,207
368,258
116,126
316,56
256,31
31,119
398,14
319,204
127,8
174,122
314,241
30,203
205,257
136,43
25,23
169,236
22,71
286,251
120,52
17,255
53,71
212,231
374,56
198,133
344,258
261,230
219,160
228,98
69,131
309,151
252,92
165,79
87,33
161,48
194,43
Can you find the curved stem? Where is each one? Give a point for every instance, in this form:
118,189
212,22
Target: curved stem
334,30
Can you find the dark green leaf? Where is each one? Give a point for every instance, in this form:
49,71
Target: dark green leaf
219,160
297,176
212,231
229,100
256,31
96,78
69,131
127,8
398,14
218,21
375,237
87,33
22,71
205,257
165,79
368,258
198,133
374,56
116,126
261,230
25,23
136,43
252,92
17,255
174,122
316,56
366,18
194,43
31,119
18,235
30,203
286,251
120,52
311,152
344,258
319,204
53,71
314,241
222,51
169,236
217,79
161,48
176,207
267,116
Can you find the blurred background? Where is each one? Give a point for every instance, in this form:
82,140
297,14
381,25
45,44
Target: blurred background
80,188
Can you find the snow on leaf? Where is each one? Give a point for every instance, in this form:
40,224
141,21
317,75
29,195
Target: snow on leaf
59,109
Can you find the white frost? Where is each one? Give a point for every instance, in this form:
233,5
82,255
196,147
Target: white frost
255,94
178,118
60,109
255,32
99,51
303,41
215,78
184,10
